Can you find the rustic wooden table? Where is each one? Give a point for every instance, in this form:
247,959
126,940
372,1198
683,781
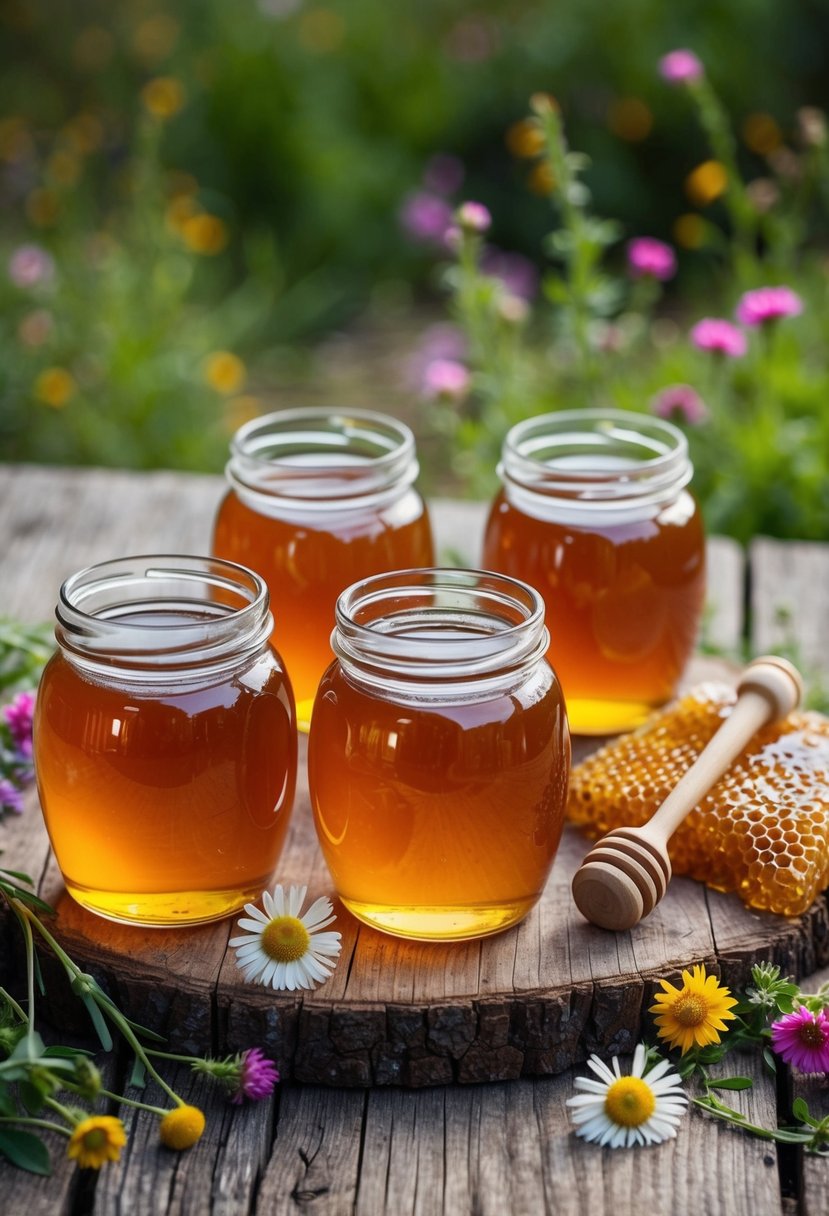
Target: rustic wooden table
398,1029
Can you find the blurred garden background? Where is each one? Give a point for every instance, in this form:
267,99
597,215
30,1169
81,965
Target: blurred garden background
212,210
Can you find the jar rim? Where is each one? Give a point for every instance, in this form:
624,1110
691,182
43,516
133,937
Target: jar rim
311,456
197,611
438,626
594,456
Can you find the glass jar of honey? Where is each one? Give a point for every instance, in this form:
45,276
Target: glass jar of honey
317,500
595,513
439,753
165,740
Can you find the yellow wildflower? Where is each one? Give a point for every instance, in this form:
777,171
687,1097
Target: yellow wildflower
693,1015
97,1140
689,230
182,1127
525,138
224,372
706,183
163,96
542,180
85,133
54,387
204,233
43,207
761,133
630,118
63,167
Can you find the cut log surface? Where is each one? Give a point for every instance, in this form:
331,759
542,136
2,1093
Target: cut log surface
531,1001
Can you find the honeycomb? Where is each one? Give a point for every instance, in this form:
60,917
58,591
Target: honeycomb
762,830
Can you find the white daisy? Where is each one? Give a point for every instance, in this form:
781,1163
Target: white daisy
284,949
642,1108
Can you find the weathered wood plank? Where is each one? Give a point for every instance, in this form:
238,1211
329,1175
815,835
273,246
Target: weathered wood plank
814,1089
790,598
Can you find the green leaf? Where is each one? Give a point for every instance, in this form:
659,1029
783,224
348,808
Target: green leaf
31,1096
800,1110
25,1151
731,1083
7,1106
97,1018
770,1059
138,1076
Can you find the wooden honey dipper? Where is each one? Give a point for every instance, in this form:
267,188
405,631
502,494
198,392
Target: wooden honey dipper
627,872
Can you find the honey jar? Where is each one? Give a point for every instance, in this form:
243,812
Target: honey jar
594,512
317,500
439,753
165,740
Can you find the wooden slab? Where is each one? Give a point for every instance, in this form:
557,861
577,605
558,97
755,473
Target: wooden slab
533,1000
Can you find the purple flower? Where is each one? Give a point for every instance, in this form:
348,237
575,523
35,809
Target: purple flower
517,273
473,217
766,304
426,217
681,67
443,174
30,266
802,1038
18,716
11,797
446,380
258,1076
649,258
719,336
682,402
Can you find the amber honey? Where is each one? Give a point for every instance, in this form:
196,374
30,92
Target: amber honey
319,500
165,744
594,514
762,830
439,754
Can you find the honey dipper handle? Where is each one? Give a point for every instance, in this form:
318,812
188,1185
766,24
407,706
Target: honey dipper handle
769,689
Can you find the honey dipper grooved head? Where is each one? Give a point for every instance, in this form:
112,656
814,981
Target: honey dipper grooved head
606,896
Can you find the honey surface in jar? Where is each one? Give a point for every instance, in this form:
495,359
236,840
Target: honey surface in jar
761,831
308,557
439,822
166,802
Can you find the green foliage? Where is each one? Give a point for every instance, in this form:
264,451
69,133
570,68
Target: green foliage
759,430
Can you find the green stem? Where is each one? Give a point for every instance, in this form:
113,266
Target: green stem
44,1123
156,1110
107,1008
6,996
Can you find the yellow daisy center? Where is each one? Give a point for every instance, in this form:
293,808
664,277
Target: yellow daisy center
629,1102
181,1127
285,939
690,1009
95,1139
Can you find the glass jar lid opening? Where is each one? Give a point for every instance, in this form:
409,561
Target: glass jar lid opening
319,458
163,611
596,457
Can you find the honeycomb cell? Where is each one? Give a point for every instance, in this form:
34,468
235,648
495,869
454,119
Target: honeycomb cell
763,830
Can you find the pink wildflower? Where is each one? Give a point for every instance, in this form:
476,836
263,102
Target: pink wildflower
30,266
682,402
802,1038
681,67
11,797
766,304
517,273
649,258
258,1076
426,217
473,217
18,715
446,380
719,336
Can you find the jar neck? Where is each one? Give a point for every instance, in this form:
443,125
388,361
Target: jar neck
152,617
439,633
316,460
594,463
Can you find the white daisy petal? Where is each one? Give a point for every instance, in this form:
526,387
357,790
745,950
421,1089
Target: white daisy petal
592,1107
319,911
268,904
244,939
257,914
296,898
278,900
253,926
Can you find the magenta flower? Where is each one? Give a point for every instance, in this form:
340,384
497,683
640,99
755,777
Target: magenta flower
518,274
473,217
445,380
11,797
649,258
31,266
444,173
426,217
680,402
766,304
258,1076
719,336
802,1038
18,715
681,67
